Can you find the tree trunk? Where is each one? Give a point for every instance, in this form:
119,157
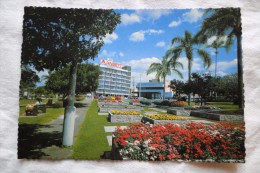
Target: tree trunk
240,72
69,116
189,73
164,88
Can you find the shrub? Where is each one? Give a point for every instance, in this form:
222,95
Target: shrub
80,98
57,105
145,102
157,102
165,103
193,141
178,104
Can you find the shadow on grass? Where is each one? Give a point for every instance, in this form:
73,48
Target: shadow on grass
31,141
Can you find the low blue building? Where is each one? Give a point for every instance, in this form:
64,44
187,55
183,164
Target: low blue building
153,90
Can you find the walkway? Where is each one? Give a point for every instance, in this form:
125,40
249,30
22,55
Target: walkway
45,141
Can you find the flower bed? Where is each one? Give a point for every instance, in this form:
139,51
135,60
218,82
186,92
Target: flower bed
178,104
165,117
124,112
194,141
124,116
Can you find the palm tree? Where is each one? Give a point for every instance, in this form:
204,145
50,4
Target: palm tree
221,22
216,45
187,44
165,68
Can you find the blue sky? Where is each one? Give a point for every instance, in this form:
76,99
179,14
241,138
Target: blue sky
144,36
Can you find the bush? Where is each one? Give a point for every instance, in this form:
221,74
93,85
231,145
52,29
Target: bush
165,103
157,102
178,104
145,102
57,105
161,102
80,98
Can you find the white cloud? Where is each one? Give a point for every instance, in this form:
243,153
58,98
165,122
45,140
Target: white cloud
152,14
137,36
192,16
110,38
175,23
106,54
160,44
128,19
140,35
121,54
139,15
140,67
225,65
213,38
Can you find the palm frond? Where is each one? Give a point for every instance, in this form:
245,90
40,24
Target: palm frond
205,57
178,73
178,40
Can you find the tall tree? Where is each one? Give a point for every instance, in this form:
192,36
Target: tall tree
226,22
177,86
87,80
216,45
55,38
187,44
165,68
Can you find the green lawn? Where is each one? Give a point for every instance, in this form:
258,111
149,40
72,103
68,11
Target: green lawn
51,114
91,141
224,105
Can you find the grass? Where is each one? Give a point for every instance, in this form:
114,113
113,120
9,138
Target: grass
51,114
91,141
224,105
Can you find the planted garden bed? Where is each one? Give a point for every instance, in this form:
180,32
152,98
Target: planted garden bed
221,142
124,116
178,111
163,119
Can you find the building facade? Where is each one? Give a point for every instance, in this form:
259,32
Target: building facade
115,79
154,90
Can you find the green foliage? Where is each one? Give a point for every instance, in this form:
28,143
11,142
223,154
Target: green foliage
187,44
51,114
87,79
28,77
57,105
146,102
55,37
165,68
225,22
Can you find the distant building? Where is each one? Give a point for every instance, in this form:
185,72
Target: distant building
154,89
115,79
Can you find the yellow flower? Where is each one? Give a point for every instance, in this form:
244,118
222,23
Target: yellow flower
125,112
165,117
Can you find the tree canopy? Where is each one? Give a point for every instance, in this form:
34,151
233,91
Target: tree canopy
87,79
55,37
28,77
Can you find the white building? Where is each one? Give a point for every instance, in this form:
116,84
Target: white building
115,80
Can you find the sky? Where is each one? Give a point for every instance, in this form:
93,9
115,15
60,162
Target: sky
144,36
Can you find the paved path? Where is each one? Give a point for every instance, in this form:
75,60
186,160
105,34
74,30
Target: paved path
45,141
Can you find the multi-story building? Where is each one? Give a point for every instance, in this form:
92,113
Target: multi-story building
154,89
115,79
